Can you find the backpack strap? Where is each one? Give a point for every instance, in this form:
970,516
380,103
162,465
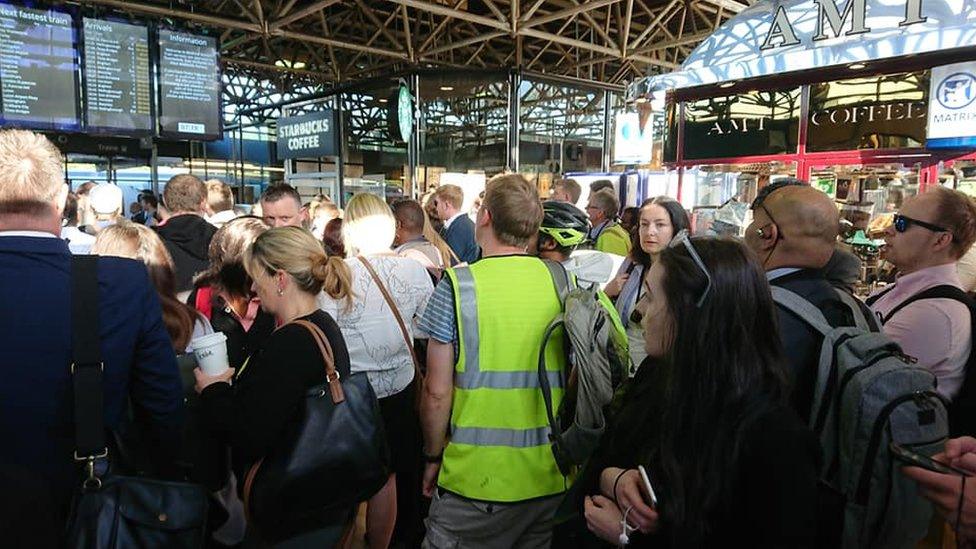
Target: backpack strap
871,300
803,309
560,278
944,291
859,318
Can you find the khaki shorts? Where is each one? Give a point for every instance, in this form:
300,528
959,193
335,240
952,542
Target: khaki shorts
458,522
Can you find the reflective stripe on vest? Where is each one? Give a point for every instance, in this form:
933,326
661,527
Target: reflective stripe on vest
472,377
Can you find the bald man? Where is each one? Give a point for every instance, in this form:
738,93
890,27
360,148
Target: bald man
793,232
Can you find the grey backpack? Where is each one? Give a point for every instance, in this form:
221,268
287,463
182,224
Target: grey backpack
869,394
597,365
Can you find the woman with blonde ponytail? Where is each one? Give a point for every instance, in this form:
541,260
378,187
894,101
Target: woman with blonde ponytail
289,270
386,286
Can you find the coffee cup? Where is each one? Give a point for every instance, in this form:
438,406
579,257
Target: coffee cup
211,353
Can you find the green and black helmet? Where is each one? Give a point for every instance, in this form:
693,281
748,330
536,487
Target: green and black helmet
564,223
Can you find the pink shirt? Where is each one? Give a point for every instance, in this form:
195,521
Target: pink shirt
935,331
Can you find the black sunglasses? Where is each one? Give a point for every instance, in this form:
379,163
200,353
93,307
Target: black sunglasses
902,223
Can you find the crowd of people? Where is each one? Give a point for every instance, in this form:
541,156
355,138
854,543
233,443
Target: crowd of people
711,438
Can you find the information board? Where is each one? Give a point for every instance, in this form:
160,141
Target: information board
189,85
118,93
38,69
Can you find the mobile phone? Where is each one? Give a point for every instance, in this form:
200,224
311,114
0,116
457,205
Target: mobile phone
647,485
918,460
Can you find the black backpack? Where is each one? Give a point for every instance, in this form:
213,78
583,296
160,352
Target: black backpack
962,409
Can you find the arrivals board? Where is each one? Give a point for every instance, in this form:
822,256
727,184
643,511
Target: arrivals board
189,85
38,69
118,91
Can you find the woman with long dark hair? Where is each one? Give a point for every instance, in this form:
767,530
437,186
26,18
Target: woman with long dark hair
659,219
707,416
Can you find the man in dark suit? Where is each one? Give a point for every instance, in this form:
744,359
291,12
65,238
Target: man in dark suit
458,228
794,233
36,416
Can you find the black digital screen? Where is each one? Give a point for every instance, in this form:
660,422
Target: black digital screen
118,89
189,85
38,69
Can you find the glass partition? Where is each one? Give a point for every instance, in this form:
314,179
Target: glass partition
562,129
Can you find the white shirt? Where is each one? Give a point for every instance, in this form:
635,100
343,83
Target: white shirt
79,242
218,219
447,224
372,334
35,234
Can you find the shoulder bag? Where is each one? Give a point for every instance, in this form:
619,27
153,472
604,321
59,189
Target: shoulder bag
418,374
335,458
114,510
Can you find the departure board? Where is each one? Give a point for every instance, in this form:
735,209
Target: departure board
38,68
118,91
189,85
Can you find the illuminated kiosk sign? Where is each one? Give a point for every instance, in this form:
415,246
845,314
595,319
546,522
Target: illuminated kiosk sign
952,106
789,36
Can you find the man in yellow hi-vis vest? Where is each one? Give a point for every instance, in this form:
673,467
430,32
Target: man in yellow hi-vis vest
490,469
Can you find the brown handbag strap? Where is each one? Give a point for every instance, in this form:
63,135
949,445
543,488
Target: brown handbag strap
331,374
396,313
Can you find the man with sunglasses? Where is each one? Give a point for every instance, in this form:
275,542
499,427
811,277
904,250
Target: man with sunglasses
928,236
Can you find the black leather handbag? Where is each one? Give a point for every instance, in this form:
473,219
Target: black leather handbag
337,457
115,511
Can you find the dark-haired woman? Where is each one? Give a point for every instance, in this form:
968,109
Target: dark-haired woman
223,293
660,219
730,463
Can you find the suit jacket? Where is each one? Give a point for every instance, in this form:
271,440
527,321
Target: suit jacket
460,237
36,413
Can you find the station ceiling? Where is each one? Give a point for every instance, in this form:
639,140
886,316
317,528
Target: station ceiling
335,41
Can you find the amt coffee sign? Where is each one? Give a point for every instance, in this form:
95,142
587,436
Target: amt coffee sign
952,106
307,136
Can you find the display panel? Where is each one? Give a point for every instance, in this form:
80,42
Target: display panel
876,112
752,123
38,69
189,85
117,76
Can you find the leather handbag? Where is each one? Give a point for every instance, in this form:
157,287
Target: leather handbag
337,457
113,510
418,373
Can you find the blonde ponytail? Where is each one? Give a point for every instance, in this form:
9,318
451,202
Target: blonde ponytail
295,251
335,277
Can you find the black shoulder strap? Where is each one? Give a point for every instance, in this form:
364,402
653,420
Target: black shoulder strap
86,359
871,300
943,291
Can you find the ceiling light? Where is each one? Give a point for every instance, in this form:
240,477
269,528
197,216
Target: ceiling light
286,64
856,66
447,88
728,84
383,100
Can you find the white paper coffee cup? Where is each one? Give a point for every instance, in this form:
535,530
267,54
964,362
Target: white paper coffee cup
211,353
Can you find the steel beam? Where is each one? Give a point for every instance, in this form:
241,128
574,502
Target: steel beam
568,12
439,9
302,13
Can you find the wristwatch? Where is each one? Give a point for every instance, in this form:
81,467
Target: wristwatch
433,459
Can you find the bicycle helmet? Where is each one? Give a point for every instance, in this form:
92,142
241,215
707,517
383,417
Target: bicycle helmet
564,223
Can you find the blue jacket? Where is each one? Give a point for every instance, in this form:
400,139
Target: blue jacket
35,355
460,237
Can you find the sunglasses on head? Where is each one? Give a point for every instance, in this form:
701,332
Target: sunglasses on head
902,223
683,238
